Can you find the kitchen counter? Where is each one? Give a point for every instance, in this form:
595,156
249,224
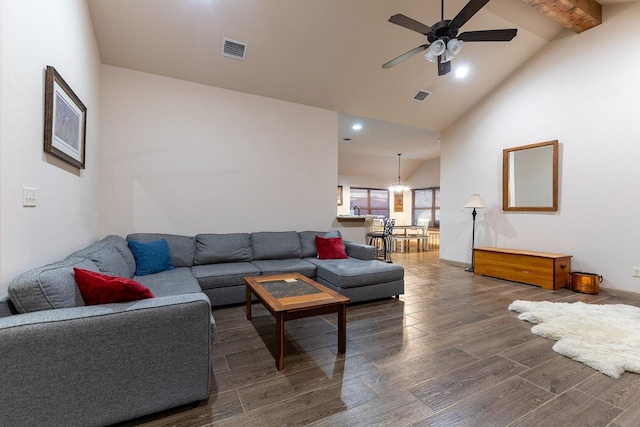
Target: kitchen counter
354,217
354,228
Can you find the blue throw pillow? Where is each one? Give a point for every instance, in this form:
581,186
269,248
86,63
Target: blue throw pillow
151,257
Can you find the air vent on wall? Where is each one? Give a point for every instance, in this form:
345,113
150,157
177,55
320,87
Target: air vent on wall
233,48
421,96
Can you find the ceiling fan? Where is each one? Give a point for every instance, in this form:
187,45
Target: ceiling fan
444,43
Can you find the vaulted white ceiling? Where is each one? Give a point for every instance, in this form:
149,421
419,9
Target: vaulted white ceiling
325,53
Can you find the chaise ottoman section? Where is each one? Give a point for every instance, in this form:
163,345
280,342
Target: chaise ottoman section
360,280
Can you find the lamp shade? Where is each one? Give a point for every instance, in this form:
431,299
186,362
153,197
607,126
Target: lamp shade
474,202
454,46
430,56
438,47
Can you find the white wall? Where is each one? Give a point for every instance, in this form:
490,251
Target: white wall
426,175
34,34
582,89
184,158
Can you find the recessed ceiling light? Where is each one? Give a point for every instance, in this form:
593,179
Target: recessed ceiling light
356,126
461,72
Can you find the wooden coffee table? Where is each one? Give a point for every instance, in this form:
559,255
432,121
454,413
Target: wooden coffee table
294,296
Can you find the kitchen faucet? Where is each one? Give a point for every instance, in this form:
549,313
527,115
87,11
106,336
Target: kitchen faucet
356,208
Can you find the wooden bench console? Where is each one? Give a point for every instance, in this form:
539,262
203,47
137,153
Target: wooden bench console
547,270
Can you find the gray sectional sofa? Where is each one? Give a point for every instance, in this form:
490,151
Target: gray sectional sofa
65,363
219,263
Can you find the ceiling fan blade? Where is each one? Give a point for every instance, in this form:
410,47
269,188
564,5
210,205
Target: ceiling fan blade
404,56
411,24
467,12
488,35
443,68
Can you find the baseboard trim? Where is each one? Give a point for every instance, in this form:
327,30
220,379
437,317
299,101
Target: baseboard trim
455,263
612,292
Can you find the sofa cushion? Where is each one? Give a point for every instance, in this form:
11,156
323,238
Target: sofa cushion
181,248
330,248
171,282
49,287
151,257
308,243
332,233
275,245
224,274
120,243
97,288
111,255
291,265
217,248
351,273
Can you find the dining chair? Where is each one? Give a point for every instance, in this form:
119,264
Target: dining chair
378,224
423,223
384,237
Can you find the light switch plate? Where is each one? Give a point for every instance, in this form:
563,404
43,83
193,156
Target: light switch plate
28,196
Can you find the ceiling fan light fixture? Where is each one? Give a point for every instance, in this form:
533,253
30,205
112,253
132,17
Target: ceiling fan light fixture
454,46
430,56
443,35
446,56
438,47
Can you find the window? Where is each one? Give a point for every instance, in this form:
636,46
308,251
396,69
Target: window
371,201
426,204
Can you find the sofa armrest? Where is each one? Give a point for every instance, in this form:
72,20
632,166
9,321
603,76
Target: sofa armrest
103,364
359,250
6,306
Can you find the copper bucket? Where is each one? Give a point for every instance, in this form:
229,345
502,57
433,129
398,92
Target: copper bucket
587,283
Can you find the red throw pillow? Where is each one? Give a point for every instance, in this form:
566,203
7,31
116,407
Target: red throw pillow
330,248
97,288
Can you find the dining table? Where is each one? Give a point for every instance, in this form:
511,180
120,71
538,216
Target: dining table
421,235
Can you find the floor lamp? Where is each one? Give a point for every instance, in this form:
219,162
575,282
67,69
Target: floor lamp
474,202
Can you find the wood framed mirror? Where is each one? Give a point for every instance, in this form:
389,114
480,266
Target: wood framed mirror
530,177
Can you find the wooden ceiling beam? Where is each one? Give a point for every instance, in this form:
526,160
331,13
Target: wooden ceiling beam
577,15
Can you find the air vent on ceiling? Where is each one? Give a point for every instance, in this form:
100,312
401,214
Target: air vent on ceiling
421,96
233,48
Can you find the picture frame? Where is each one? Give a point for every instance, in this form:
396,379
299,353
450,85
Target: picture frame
398,202
339,195
65,121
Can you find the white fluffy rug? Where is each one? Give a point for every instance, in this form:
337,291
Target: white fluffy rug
605,337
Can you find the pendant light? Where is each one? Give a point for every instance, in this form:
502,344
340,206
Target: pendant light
399,187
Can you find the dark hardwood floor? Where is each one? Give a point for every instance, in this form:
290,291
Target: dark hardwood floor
447,353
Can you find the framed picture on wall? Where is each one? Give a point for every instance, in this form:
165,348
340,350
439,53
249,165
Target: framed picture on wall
65,120
339,195
398,202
